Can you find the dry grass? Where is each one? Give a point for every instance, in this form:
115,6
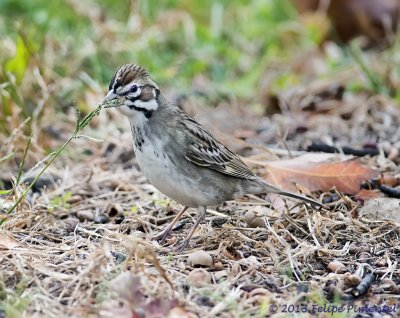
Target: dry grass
54,264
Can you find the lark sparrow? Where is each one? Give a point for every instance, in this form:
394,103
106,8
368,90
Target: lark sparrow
178,155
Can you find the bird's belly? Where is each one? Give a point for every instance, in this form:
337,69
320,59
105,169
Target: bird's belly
166,176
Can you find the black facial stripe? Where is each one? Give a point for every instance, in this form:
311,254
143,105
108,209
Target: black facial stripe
129,92
112,82
116,85
147,113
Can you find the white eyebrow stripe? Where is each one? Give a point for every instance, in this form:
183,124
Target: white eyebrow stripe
149,105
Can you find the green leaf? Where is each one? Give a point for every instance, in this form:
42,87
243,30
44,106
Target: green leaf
19,63
5,191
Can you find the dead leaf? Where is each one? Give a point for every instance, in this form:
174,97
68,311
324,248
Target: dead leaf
128,287
365,194
280,204
372,19
346,176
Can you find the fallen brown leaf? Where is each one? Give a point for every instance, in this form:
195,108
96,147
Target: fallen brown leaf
133,302
345,176
365,194
351,18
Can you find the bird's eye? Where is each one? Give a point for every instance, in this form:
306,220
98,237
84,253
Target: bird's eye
134,89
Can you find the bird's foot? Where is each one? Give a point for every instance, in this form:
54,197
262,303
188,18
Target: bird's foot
180,247
161,237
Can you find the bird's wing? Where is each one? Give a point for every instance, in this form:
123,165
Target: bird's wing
204,150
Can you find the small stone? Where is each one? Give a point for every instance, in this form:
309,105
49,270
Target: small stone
254,220
199,277
74,199
44,181
85,215
119,257
201,258
101,218
337,267
71,223
218,265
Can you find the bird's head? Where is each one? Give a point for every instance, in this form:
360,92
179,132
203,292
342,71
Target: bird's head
134,91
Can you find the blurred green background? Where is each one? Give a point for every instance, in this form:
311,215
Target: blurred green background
52,52
57,54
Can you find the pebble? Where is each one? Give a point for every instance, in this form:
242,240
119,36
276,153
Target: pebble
201,258
337,267
70,223
218,265
253,220
74,199
85,215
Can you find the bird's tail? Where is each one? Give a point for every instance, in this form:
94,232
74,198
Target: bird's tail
269,188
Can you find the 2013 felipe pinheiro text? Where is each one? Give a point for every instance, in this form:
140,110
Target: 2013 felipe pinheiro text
328,308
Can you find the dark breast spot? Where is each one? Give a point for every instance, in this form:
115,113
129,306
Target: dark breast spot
138,139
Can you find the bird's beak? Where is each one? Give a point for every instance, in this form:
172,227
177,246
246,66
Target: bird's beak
110,96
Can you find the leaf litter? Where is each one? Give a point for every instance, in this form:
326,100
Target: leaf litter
61,264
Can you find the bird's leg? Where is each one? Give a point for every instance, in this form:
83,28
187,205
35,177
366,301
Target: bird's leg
200,217
164,234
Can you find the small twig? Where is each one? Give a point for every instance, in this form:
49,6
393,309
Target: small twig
23,195
390,191
347,150
22,163
79,125
5,158
311,229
